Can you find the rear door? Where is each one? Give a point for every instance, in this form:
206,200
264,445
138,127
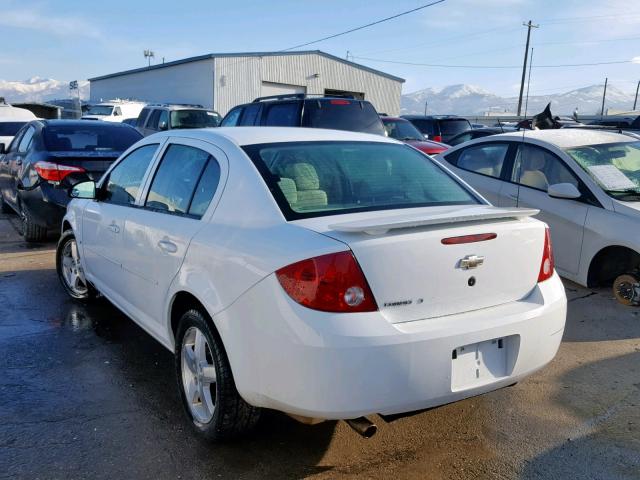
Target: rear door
6,181
483,166
534,169
158,233
152,123
15,166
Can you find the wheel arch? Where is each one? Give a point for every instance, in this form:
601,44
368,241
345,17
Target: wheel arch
182,301
609,262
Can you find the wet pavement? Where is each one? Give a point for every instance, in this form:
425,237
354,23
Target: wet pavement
85,393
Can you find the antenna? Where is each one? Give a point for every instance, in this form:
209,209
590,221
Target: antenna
149,54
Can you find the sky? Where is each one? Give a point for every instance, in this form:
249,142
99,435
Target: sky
78,39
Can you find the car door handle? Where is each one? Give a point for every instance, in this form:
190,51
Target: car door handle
167,246
114,228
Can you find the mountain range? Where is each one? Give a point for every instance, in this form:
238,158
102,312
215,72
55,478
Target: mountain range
459,99
471,100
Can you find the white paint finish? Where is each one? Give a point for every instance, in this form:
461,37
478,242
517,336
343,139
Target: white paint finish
126,110
184,83
578,231
9,113
270,88
285,356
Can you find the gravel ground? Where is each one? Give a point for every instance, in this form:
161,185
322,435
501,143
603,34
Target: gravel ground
85,393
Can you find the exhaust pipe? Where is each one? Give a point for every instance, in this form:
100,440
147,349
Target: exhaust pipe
363,426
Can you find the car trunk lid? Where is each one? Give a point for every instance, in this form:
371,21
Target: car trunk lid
95,163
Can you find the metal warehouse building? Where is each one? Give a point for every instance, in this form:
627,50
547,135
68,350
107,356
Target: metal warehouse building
224,80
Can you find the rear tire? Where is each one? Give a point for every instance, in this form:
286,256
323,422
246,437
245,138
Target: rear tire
31,231
4,206
70,271
207,389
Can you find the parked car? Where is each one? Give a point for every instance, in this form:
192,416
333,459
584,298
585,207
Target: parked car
46,158
113,111
161,117
586,184
403,130
469,135
619,121
302,110
12,119
440,128
132,122
325,274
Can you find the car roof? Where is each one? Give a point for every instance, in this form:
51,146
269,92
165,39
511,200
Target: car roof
569,137
81,123
255,135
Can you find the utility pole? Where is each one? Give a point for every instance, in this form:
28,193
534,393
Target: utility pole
636,100
604,95
524,65
426,102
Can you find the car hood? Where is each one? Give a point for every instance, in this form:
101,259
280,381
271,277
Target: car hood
631,209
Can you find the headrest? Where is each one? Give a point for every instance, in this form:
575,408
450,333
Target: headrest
534,159
304,175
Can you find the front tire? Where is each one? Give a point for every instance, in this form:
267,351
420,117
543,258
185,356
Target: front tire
207,389
69,268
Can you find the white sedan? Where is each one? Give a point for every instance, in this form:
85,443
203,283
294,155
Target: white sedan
586,184
325,274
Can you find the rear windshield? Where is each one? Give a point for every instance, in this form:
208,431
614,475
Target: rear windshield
342,114
402,130
100,110
9,129
453,127
194,119
92,137
311,179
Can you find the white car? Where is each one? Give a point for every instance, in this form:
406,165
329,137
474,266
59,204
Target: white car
12,119
586,184
114,111
326,274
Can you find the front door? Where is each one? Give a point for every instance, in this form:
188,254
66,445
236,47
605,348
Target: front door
534,169
158,234
104,221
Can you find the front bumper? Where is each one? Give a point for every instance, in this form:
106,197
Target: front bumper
335,366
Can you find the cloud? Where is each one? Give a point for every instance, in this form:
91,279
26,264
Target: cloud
33,19
635,60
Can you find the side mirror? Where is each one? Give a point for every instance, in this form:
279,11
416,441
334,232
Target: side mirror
162,126
564,190
85,190
2,149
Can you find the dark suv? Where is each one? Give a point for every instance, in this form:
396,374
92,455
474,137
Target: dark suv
302,110
439,128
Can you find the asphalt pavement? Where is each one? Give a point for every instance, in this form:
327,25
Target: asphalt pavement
85,393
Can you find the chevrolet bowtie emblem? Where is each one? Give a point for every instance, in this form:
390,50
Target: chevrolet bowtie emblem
471,261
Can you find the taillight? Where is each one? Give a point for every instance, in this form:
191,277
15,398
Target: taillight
340,102
437,138
330,283
547,265
53,172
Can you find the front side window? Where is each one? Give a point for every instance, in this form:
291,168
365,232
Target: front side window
310,179
177,181
614,166
484,159
163,120
283,115
538,168
25,142
124,180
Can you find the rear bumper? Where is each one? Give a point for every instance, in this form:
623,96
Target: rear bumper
46,205
336,366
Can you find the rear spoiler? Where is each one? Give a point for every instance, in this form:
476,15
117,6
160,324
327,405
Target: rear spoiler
382,224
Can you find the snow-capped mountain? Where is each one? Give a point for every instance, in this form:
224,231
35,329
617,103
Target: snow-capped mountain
472,100
39,89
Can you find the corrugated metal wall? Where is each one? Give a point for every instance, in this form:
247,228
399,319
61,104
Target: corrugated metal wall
238,79
185,83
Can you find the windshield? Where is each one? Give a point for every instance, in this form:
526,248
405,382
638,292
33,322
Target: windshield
615,166
402,130
453,127
100,110
342,114
194,119
9,129
90,138
310,179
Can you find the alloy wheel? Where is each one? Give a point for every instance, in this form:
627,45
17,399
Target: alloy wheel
198,375
72,272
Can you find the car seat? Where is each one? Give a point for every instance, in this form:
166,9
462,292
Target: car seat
307,185
532,165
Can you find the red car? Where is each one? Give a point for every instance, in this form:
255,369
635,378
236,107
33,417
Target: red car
404,130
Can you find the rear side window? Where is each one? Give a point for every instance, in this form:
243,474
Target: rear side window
25,142
153,120
453,127
124,180
174,184
484,159
143,117
250,114
231,119
342,114
283,115
310,179
206,188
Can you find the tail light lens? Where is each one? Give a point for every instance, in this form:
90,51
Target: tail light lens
53,172
330,283
437,138
547,265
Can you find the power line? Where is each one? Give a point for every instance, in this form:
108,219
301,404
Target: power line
438,65
364,26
